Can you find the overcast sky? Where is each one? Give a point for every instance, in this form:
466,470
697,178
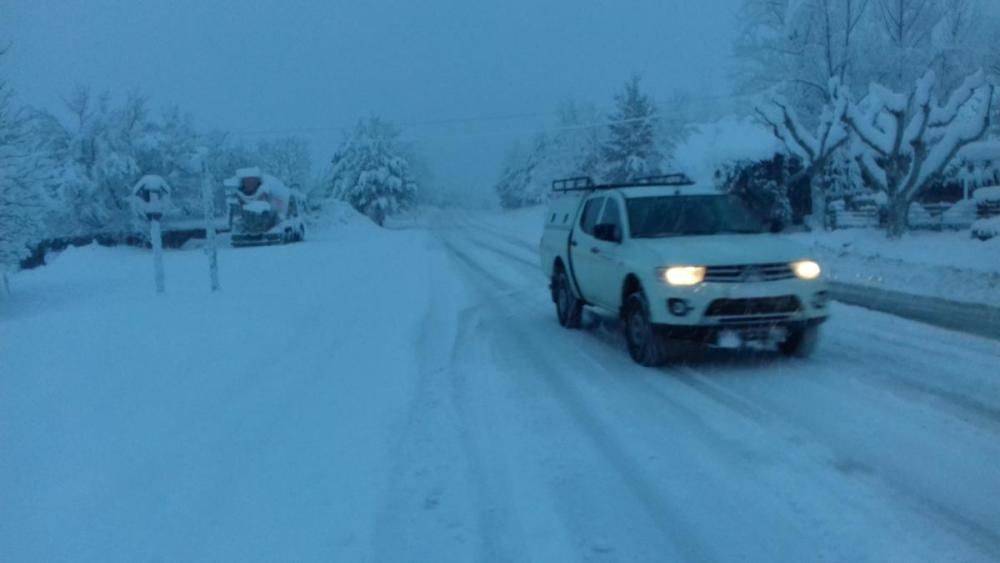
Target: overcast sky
315,67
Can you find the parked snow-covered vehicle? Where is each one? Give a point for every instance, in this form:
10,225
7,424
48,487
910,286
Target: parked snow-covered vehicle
264,210
677,262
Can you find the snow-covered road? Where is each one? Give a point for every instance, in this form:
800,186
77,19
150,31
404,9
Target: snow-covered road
418,402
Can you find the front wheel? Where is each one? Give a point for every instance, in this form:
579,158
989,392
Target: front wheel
645,345
801,343
569,308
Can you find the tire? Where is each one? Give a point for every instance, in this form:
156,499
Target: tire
569,309
645,346
801,343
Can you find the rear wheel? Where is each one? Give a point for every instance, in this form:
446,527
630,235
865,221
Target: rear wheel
569,308
645,345
801,343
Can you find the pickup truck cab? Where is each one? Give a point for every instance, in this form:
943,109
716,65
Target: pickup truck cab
678,261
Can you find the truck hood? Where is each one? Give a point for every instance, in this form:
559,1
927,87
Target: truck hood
721,250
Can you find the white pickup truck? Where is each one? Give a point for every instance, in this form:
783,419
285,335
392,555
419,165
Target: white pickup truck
678,261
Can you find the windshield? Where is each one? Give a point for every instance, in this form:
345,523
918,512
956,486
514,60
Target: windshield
669,216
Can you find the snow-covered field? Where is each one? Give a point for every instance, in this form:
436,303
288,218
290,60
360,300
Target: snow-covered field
406,395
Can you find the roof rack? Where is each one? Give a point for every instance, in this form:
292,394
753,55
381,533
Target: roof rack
580,183
586,184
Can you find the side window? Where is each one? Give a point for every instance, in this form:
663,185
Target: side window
612,215
591,212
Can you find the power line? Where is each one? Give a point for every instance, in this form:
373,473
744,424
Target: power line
688,115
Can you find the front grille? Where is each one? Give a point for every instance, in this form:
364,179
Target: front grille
749,273
753,307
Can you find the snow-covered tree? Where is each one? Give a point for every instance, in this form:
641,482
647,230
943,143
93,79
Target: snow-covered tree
815,149
98,151
631,150
370,172
286,158
572,147
167,149
906,141
22,170
520,183
799,44
795,46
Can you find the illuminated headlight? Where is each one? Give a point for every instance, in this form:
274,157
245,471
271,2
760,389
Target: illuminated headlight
684,275
806,269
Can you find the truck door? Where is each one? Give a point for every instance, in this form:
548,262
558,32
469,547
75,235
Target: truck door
608,262
584,260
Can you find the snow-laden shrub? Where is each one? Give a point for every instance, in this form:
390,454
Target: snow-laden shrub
985,229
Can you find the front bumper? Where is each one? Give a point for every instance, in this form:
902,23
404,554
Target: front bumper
714,307
259,239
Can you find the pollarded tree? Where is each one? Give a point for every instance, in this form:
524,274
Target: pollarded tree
370,172
814,149
631,150
908,140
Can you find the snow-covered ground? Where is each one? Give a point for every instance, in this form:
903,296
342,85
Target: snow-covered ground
950,265
406,395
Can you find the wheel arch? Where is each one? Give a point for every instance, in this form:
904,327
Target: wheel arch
630,285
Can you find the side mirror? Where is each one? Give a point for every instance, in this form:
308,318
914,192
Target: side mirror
608,232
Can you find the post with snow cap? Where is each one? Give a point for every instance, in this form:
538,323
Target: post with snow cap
152,193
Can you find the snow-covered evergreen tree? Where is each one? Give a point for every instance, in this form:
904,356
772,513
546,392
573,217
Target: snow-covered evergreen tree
631,150
370,172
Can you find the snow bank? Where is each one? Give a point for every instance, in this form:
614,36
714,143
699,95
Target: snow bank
710,146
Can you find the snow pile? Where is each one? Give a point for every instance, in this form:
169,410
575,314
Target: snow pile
709,147
336,215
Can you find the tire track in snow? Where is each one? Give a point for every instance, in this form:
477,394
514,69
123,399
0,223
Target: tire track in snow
437,458
645,496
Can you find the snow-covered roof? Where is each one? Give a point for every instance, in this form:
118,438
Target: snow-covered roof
701,188
250,172
152,183
991,194
710,146
269,185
